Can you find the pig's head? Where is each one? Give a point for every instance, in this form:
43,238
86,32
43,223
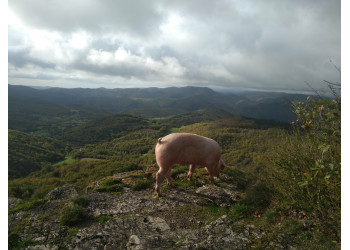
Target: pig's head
220,167
222,164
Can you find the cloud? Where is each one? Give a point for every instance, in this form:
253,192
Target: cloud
232,44
139,17
21,57
123,63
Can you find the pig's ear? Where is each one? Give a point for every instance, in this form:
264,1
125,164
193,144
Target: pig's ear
222,164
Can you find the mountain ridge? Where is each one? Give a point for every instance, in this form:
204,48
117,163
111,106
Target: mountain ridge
183,99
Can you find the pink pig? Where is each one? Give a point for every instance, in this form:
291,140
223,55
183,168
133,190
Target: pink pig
184,149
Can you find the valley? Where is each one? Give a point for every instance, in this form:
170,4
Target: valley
73,138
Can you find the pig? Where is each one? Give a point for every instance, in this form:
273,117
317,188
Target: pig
187,149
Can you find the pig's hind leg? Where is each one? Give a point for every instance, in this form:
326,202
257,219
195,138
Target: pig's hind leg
190,172
168,178
159,178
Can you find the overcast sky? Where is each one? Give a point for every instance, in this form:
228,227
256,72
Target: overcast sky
261,45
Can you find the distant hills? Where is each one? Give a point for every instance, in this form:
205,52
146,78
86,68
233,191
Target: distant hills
28,153
27,103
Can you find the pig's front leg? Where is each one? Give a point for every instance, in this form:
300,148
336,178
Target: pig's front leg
190,172
211,174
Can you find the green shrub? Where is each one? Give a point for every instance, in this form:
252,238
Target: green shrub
14,241
141,185
309,164
72,216
82,201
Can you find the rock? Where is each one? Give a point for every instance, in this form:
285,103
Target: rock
137,220
12,201
65,192
216,194
134,243
42,247
158,223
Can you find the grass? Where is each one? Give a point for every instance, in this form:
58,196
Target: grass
110,189
205,214
26,205
141,185
102,219
178,169
67,160
110,186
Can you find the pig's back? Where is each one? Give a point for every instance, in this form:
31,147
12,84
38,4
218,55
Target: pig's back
186,148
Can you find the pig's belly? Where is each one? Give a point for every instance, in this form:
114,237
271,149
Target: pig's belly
188,161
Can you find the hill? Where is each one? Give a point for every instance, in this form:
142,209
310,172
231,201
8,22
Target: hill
36,107
104,129
28,153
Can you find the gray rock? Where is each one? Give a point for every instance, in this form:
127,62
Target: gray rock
223,195
157,223
42,247
12,201
138,220
65,192
134,243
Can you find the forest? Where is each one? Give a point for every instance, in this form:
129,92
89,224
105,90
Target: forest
287,165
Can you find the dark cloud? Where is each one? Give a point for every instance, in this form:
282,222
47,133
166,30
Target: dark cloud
137,17
20,58
232,44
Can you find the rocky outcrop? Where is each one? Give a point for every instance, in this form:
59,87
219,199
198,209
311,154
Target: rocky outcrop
63,193
134,220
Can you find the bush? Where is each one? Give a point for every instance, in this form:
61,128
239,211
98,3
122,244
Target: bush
309,162
14,241
73,216
82,201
